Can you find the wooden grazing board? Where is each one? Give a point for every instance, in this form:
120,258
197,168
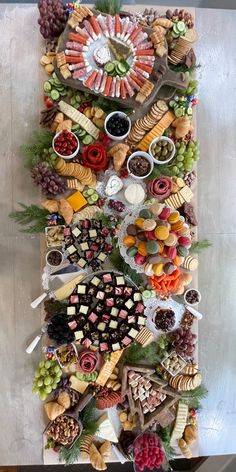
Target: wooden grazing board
163,88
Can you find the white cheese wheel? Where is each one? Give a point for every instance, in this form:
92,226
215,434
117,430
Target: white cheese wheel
134,194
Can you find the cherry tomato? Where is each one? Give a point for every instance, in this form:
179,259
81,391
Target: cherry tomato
48,101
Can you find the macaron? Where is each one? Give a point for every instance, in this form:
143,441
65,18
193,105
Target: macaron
154,259
152,247
169,268
131,229
156,208
139,260
174,217
182,251
139,222
129,240
158,268
178,260
184,241
145,213
171,240
165,213
149,224
148,270
171,252
132,251
150,235
185,230
142,248
162,232
177,226
141,235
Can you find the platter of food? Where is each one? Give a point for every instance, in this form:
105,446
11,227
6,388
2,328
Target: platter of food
116,162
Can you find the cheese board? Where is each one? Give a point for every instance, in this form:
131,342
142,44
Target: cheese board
116,163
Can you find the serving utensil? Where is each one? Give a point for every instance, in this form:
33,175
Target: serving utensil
36,340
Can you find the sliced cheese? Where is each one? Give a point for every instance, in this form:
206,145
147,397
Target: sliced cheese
79,118
105,429
78,385
180,422
65,291
108,367
157,131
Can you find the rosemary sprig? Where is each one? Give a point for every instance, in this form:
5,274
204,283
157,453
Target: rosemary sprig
193,397
33,216
33,152
199,246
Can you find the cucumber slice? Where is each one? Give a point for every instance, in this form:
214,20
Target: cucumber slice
180,26
81,133
94,197
90,192
87,139
109,67
178,112
86,94
172,104
54,75
70,93
47,87
75,127
78,98
63,93
174,34
126,65
57,81
85,194
121,69
73,102
55,95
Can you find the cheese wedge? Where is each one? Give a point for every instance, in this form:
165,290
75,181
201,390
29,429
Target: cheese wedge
64,291
78,385
105,429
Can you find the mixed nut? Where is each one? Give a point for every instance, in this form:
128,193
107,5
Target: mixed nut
63,430
54,236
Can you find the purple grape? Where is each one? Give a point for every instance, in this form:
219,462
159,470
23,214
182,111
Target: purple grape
53,18
42,175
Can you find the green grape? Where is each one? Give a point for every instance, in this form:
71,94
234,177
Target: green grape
42,396
37,374
180,165
35,389
58,379
41,364
181,151
177,145
56,369
43,371
48,389
181,175
53,386
188,168
40,383
180,157
48,380
48,364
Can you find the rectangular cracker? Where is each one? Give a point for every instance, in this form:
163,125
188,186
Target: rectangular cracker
79,118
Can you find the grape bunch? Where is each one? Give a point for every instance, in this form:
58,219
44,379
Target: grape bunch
52,19
50,181
46,378
185,158
183,340
191,89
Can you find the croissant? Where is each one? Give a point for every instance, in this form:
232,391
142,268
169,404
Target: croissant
185,449
64,400
50,205
64,125
190,433
118,152
105,450
182,126
66,211
96,459
53,409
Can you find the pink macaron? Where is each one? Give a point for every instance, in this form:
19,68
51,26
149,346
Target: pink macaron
171,252
150,235
139,260
184,241
165,213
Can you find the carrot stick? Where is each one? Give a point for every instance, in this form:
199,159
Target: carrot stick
107,86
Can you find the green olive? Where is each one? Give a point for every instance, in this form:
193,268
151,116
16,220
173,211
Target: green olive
164,152
164,143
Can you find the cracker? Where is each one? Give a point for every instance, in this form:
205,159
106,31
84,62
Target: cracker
79,118
61,59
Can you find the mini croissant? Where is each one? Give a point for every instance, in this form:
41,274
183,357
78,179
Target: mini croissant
118,153
64,400
190,433
185,449
53,409
50,205
66,211
105,450
96,459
